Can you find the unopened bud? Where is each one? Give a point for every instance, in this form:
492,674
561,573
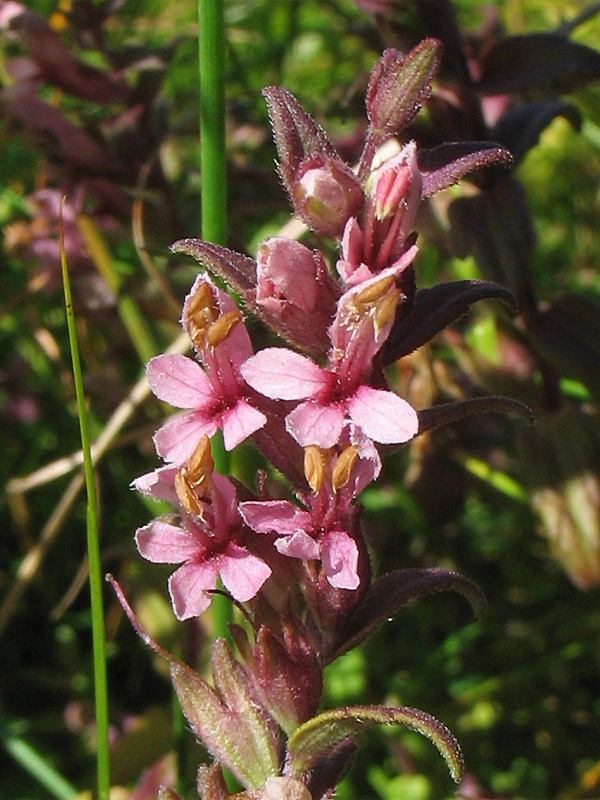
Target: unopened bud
390,191
326,194
399,84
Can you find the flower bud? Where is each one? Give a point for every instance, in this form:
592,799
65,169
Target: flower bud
326,193
399,84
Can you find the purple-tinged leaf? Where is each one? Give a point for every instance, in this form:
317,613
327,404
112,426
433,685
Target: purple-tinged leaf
447,413
238,271
537,62
434,309
236,688
445,165
495,227
228,721
330,769
70,143
59,67
520,128
392,591
297,136
290,677
568,336
317,737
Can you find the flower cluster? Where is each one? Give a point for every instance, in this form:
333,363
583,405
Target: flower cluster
319,409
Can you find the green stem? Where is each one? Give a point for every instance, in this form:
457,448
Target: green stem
211,55
211,46
98,642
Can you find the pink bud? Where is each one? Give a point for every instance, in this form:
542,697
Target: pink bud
326,193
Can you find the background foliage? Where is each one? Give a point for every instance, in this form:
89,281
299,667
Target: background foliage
519,688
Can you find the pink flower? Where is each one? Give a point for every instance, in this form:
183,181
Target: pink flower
320,530
301,537
206,545
340,393
216,396
389,214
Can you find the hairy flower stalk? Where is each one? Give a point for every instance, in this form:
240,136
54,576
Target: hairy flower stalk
320,409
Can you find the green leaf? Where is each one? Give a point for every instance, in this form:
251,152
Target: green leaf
317,737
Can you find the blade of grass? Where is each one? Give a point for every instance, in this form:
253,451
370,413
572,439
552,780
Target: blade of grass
36,765
93,548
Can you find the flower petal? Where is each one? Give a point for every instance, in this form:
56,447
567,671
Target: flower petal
278,516
339,556
177,438
383,416
187,587
163,543
178,380
298,545
158,484
284,375
312,423
241,572
239,422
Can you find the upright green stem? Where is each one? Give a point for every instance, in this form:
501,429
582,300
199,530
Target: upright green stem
211,53
93,548
211,44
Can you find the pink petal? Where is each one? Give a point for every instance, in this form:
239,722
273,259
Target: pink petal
239,422
284,375
278,516
298,545
242,573
187,587
227,499
163,543
178,380
312,423
159,484
339,556
176,439
383,416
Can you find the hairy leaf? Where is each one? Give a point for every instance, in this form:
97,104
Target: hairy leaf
316,738
394,590
447,413
436,308
445,165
